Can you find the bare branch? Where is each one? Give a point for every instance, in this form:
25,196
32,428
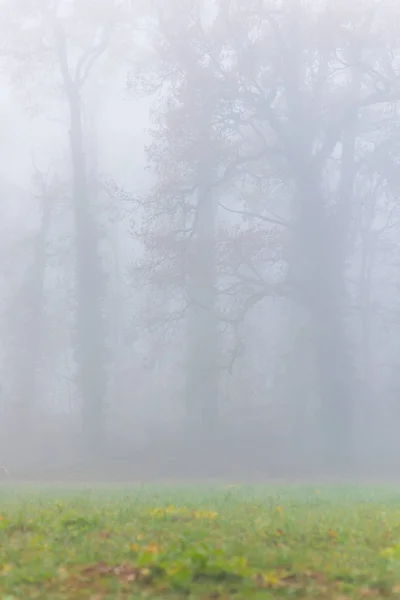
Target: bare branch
62,52
252,215
92,55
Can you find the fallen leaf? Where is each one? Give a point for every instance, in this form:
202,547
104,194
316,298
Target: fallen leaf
124,571
333,534
7,568
105,535
63,573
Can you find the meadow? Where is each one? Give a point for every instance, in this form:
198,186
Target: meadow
199,542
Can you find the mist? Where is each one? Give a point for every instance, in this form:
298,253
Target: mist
199,240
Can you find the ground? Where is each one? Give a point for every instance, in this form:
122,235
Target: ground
199,542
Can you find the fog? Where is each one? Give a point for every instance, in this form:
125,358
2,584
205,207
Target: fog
199,240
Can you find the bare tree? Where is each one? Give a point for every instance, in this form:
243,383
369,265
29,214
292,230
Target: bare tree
65,42
26,314
190,254
299,100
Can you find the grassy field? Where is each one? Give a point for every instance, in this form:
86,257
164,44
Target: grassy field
198,542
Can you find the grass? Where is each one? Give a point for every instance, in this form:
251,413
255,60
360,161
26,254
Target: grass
226,542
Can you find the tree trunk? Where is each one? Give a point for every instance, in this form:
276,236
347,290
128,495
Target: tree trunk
30,324
318,276
89,292
202,331
318,265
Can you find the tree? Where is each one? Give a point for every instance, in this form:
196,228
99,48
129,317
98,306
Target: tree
65,43
186,245
299,99
28,311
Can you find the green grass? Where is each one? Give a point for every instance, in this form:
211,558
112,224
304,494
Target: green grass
196,542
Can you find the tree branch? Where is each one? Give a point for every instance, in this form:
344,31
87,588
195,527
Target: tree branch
252,215
92,55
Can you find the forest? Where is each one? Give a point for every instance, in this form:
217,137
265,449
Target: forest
200,238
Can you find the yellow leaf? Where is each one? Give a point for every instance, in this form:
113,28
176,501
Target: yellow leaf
333,534
387,552
135,547
203,514
272,579
7,568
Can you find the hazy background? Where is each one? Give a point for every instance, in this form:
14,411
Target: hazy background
199,238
